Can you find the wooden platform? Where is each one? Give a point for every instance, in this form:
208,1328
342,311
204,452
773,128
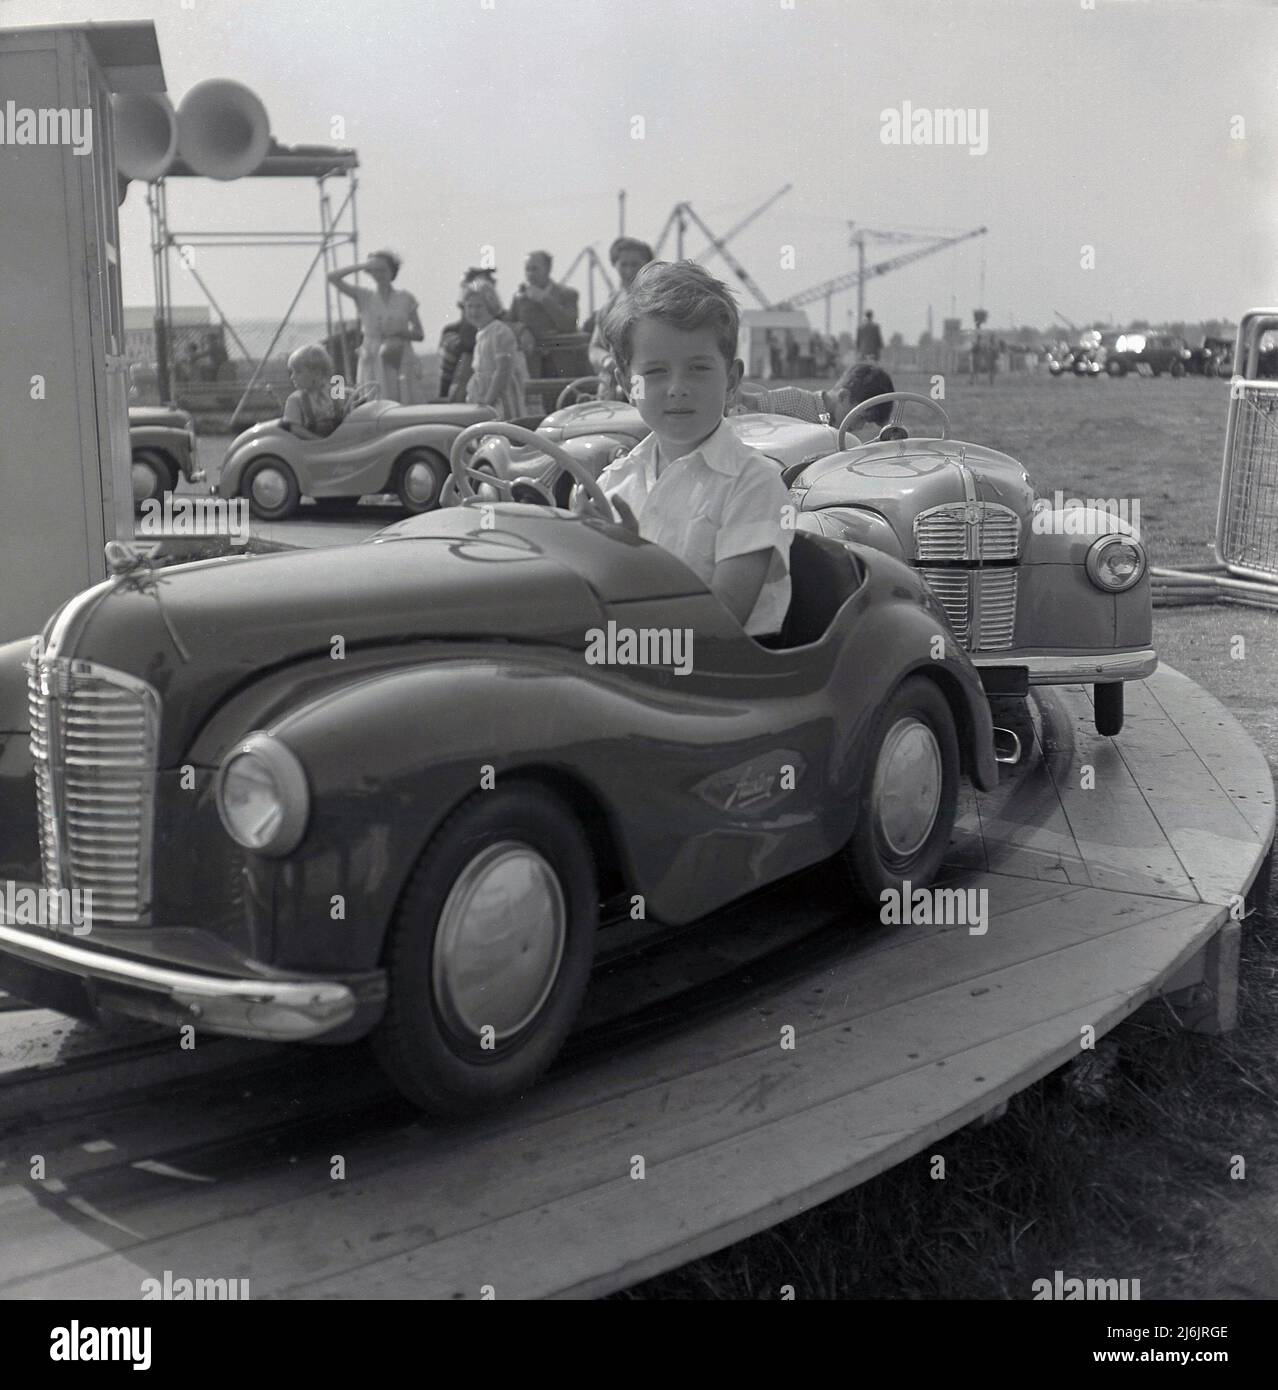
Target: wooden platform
218,1163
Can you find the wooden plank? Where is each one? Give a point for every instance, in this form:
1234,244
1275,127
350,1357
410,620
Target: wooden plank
688,1091
1210,1004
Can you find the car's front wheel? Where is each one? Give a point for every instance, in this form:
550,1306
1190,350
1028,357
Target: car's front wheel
1116,368
152,476
1108,710
271,488
419,479
490,952
909,791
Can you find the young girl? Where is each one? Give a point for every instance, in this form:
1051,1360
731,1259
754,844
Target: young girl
310,411
498,371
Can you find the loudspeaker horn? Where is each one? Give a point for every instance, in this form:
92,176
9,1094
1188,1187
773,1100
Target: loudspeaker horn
223,131
146,136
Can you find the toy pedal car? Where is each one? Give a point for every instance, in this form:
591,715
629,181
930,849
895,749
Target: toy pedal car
380,447
535,713
163,448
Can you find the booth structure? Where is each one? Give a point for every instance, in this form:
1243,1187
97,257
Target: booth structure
65,480
771,341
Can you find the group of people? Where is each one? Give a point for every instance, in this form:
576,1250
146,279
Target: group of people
668,340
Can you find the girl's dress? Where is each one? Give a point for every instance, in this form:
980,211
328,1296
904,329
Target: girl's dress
495,341
380,317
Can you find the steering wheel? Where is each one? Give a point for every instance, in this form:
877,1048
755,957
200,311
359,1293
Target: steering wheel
363,393
465,474
587,386
898,398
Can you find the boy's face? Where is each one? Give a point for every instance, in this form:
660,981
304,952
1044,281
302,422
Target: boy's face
680,382
306,378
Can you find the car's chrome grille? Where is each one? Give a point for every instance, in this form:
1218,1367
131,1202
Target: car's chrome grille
980,601
93,745
967,531
953,588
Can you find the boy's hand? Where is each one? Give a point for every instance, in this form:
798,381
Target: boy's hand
628,518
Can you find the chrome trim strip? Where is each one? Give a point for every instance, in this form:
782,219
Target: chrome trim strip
1066,670
308,1007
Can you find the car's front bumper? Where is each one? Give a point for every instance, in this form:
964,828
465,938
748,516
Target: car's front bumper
1065,668
58,972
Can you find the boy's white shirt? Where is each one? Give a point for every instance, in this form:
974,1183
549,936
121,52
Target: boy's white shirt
722,499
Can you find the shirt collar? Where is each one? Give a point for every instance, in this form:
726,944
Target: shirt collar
721,451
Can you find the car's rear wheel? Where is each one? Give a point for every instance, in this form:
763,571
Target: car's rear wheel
909,791
271,488
419,478
1116,368
1178,369
1080,368
152,476
1108,713
490,952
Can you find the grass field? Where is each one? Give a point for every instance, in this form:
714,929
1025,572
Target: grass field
1120,1170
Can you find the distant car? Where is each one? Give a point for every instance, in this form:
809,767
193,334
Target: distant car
426,840
1037,595
162,443
1155,352
380,447
1214,358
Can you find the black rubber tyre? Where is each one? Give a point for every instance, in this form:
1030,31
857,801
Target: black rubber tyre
1109,708
407,472
1055,369
1116,369
163,476
1080,368
870,858
292,495
1178,369
440,1068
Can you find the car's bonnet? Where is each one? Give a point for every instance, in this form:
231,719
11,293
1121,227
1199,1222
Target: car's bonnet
900,478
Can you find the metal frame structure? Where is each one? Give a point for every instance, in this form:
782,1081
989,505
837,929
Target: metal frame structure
338,228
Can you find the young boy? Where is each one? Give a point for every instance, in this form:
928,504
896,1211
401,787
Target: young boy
310,412
692,485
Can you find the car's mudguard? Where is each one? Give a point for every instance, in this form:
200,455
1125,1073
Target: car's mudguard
162,439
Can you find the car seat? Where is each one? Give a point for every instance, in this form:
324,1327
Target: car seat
823,574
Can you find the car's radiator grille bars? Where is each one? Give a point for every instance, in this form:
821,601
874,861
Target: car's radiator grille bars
967,531
93,744
980,602
951,544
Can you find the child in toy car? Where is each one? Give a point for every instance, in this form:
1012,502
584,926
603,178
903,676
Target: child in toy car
310,412
861,381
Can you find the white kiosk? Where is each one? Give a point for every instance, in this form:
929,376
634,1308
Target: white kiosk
65,485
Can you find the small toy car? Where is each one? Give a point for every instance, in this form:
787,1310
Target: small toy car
1038,592
380,447
541,725
163,448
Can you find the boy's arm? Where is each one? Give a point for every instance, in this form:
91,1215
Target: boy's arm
293,418
751,537
738,580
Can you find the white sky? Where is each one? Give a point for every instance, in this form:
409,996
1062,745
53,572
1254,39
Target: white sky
511,126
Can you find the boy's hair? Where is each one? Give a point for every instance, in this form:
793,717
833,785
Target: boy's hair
629,243
312,355
486,291
864,380
682,295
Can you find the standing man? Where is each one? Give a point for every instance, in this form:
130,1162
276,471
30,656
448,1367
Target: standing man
869,340
543,308
628,256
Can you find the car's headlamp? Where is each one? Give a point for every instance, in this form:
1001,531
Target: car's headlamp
262,796
1115,562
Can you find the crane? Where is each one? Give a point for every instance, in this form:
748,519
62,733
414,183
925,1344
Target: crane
935,242
683,213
